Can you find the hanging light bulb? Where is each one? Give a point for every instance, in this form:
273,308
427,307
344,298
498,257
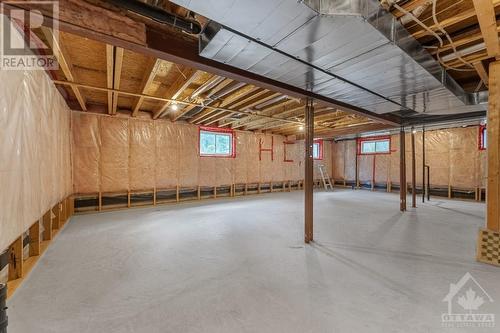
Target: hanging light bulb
174,106
301,128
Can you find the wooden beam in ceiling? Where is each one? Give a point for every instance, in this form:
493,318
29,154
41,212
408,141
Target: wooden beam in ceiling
481,71
152,68
139,36
286,113
247,121
242,123
198,118
487,21
110,61
266,124
229,101
244,102
465,15
472,58
217,90
176,89
409,6
64,63
155,98
461,40
354,129
181,112
117,74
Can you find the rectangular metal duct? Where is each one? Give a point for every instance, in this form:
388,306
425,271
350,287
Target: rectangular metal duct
349,50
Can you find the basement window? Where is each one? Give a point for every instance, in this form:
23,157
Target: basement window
483,139
374,145
216,142
318,149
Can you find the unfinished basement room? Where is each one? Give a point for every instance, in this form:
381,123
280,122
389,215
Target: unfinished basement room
249,166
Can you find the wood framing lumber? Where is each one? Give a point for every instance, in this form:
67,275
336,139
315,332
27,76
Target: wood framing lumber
110,60
152,68
64,63
309,172
493,150
34,233
117,73
16,259
47,225
485,12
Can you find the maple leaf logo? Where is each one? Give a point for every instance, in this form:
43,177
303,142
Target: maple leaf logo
470,301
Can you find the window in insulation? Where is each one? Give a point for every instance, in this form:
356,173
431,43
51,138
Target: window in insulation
374,146
318,149
483,138
216,143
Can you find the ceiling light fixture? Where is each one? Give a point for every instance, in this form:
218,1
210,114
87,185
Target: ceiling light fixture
174,106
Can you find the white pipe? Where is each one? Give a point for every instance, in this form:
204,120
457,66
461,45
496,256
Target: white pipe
420,23
207,85
387,4
464,52
416,12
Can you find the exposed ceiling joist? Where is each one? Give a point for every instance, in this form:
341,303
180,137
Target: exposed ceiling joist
117,73
463,16
267,111
139,35
110,61
175,90
152,68
64,64
487,21
126,93
481,71
229,101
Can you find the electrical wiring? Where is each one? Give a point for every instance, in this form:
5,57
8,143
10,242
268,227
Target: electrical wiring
420,23
439,26
433,33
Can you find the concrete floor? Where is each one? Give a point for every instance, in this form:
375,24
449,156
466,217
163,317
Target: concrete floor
239,265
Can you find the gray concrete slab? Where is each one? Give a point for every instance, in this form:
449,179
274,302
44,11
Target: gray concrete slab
239,265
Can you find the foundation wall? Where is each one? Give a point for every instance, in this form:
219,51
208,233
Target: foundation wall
35,167
453,156
118,154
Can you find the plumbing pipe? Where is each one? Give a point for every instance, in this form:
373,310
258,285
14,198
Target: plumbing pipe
416,13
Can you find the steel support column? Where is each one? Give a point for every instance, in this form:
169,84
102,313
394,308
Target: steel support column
413,172
423,164
309,170
402,170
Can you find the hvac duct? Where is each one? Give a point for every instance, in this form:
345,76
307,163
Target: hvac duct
353,51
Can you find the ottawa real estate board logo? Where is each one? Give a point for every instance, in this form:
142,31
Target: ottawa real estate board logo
29,34
467,302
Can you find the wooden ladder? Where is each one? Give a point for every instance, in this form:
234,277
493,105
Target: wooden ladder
324,176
